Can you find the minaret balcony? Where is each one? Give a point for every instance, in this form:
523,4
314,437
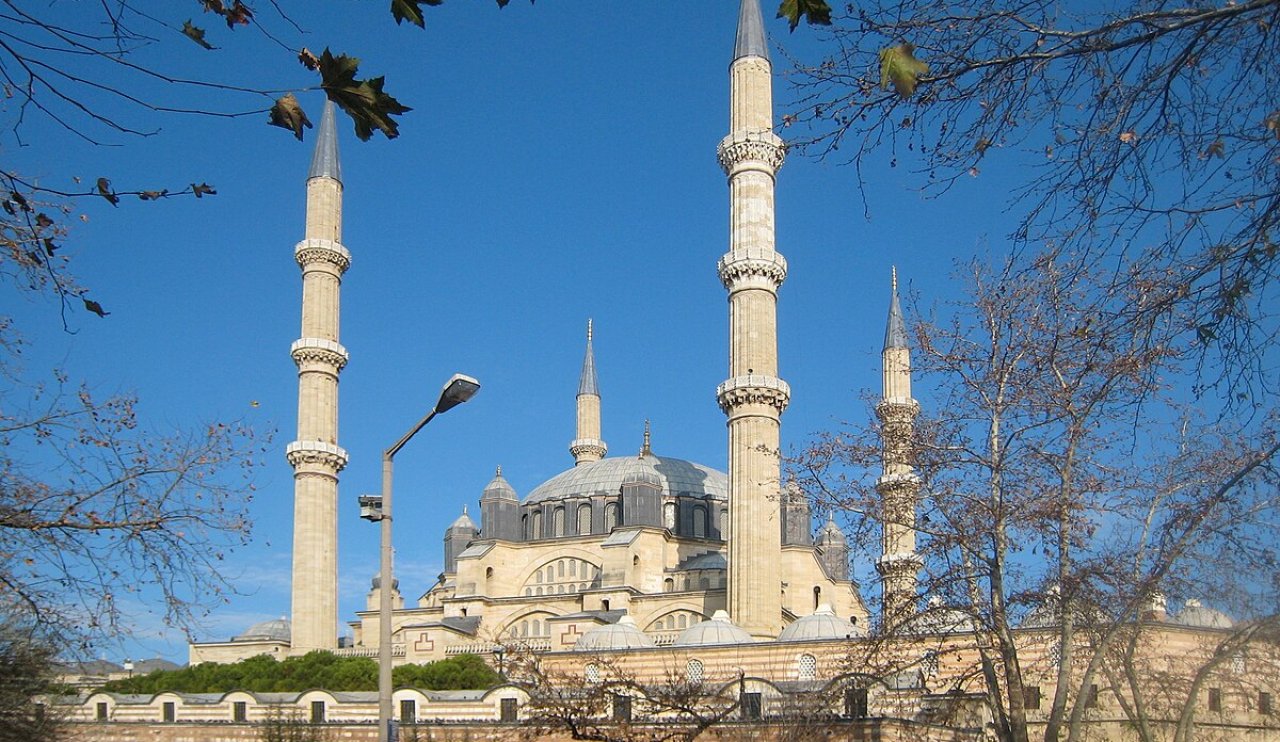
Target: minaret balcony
751,150
753,389
320,453
752,268
315,250
309,351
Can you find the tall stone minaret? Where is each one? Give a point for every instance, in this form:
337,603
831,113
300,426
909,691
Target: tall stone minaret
753,397
315,455
588,446
898,486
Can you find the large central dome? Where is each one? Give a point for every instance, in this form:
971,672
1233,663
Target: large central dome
676,478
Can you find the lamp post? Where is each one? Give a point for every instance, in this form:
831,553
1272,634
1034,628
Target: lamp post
457,390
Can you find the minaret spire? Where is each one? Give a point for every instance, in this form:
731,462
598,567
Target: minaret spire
898,487
315,455
751,40
753,397
588,446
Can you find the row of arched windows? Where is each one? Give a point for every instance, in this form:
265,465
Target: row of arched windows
532,523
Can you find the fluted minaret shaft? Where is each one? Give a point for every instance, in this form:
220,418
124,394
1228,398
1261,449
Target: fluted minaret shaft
588,446
899,487
753,397
315,455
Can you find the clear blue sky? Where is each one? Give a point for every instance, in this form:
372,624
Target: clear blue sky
559,164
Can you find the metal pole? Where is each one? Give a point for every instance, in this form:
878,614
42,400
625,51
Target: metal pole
384,606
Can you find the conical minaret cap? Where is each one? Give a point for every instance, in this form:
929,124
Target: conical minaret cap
587,383
751,40
324,162
895,334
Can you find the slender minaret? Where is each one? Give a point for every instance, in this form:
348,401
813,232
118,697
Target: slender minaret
587,446
315,455
898,486
753,397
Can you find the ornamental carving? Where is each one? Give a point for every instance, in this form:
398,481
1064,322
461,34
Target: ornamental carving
760,147
314,452
322,251
313,354
578,450
735,396
897,412
735,268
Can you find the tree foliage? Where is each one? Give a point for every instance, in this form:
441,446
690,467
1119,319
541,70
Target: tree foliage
26,671
1145,137
318,669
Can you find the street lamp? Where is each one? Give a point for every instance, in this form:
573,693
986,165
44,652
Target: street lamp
457,390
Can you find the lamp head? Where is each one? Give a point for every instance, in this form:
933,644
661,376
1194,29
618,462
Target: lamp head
457,390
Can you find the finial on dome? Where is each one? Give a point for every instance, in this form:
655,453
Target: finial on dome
644,448
464,509
893,272
588,329
498,471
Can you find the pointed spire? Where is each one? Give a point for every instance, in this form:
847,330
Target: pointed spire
751,40
644,447
325,163
895,334
587,383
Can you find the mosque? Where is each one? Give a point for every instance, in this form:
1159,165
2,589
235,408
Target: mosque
668,546
659,565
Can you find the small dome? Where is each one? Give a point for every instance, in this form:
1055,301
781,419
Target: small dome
377,583
621,635
643,470
830,533
277,629
499,488
464,522
821,624
939,619
1196,613
716,630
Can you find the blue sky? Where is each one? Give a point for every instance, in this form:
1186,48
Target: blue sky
559,164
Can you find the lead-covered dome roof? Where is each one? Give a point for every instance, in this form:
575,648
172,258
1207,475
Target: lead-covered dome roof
621,635
276,629
606,476
821,624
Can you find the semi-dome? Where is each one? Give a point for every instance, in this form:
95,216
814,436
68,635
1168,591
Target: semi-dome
606,476
276,629
621,635
1197,614
715,630
821,624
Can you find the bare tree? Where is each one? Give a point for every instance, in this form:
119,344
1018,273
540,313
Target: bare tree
1066,485
1147,136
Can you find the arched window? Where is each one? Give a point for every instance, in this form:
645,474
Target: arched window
806,667
584,520
693,671
524,526
611,515
817,597
669,516
682,621
536,523
669,585
557,522
724,523
699,522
